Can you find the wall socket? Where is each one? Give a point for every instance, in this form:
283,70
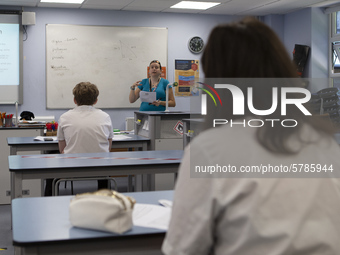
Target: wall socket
25,192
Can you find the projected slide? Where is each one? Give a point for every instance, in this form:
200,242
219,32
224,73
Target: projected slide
9,54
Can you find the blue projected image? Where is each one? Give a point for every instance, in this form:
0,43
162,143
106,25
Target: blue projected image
9,54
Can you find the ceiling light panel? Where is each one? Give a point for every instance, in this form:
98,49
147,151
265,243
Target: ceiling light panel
194,5
62,1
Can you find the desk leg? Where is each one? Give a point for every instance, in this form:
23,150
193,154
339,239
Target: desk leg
138,183
152,182
148,182
26,251
130,189
18,251
16,185
12,150
42,187
145,146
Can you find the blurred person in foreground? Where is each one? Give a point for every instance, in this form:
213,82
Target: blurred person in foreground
248,213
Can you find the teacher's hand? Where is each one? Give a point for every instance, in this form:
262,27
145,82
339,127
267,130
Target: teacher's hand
157,103
136,84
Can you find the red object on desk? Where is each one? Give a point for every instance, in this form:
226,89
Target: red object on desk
49,126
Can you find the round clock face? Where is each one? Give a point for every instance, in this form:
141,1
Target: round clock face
196,44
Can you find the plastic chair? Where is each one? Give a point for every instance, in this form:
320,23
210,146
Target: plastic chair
56,182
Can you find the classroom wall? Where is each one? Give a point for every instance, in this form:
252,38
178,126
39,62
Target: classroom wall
291,28
310,27
181,27
319,44
276,22
297,30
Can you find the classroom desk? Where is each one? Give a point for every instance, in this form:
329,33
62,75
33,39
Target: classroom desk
40,166
28,144
41,226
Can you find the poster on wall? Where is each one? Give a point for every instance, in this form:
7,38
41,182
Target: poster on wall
186,74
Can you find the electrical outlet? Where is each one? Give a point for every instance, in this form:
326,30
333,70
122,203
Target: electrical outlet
26,192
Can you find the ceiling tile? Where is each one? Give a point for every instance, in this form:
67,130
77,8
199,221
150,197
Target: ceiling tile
19,2
58,5
106,4
143,8
153,3
102,7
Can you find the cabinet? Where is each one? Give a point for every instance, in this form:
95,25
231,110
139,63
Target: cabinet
30,187
165,130
192,128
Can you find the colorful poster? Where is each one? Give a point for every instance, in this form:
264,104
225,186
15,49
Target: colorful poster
186,74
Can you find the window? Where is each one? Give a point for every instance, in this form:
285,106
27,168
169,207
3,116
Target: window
335,44
336,57
338,22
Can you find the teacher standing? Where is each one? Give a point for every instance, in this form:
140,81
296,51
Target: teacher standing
154,84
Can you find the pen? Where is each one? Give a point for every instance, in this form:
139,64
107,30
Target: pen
156,101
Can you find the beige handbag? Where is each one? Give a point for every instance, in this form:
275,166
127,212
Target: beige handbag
105,210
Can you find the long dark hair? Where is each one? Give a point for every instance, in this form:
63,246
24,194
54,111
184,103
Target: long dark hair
250,50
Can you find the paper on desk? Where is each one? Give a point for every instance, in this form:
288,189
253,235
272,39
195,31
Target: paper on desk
146,96
41,138
31,122
151,216
146,125
121,137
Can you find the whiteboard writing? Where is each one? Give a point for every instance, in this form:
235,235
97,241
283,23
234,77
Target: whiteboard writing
113,58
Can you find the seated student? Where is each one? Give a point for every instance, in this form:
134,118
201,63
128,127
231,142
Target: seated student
85,129
235,212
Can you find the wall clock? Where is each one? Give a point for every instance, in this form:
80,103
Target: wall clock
196,44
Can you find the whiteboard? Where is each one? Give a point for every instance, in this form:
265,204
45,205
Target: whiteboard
111,57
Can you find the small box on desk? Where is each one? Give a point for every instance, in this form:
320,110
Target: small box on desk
51,133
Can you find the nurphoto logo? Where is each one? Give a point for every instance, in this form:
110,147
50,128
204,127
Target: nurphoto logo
204,97
238,101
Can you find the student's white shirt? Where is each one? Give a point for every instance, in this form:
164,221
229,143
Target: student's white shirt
254,216
85,129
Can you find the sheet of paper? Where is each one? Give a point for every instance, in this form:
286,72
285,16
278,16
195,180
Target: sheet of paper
120,137
31,122
41,138
146,96
151,216
146,125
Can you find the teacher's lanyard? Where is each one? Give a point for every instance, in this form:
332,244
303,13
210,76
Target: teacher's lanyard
154,88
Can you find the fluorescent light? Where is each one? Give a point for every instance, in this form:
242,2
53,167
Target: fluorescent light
63,1
194,5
